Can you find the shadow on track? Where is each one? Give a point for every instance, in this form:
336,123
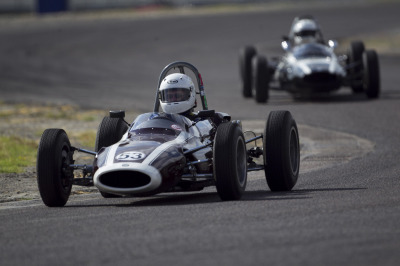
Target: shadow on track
287,99
321,98
209,198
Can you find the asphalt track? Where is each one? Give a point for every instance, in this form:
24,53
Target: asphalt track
345,213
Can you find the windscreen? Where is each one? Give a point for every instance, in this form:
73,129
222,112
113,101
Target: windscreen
310,50
158,123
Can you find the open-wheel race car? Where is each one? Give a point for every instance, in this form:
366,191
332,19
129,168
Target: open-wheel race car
171,152
309,66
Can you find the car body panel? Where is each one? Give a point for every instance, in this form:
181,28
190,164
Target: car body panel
153,152
309,68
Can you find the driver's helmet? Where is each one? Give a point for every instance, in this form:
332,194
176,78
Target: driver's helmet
177,94
305,31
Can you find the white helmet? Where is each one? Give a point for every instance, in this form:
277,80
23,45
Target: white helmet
177,94
305,31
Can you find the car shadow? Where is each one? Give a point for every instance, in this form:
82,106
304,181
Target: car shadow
290,195
207,198
287,99
321,98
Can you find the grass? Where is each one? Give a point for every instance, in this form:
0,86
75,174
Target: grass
22,125
86,138
21,129
16,154
64,112
383,42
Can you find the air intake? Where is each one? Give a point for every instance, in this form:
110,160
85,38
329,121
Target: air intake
320,77
124,179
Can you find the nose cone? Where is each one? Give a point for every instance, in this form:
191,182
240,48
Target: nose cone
127,178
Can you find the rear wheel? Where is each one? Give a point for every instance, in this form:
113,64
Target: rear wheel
354,55
261,79
230,161
110,131
281,151
245,57
54,176
371,80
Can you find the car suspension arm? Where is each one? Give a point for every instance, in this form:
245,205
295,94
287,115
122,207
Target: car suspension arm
197,148
84,151
254,139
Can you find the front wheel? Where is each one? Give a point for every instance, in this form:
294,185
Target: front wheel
371,79
261,79
54,176
245,57
110,131
281,151
354,58
230,161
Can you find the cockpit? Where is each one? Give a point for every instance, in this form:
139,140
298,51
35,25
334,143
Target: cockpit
311,50
158,123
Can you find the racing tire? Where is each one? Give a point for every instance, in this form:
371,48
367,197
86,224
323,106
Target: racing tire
371,74
54,176
230,161
110,131
281,151
245,57
261,79
354,55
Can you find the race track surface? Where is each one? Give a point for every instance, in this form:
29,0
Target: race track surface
341,213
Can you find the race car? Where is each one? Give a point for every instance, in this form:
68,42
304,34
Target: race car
169,152
309,66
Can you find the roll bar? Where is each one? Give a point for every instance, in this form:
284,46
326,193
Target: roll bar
181,66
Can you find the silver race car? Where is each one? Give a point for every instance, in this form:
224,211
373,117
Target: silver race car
309,66
170,152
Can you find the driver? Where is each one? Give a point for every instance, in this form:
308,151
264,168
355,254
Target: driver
306,31
178,95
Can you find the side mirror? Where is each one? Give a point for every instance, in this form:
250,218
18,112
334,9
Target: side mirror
117,114
333,44
285,45
206,113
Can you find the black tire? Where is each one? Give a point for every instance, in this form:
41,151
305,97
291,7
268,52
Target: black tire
110,131
281,151
230,161
261,79
245,57
54,177
354,55
371,79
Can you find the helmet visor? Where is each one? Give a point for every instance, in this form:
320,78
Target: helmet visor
175,95
306,33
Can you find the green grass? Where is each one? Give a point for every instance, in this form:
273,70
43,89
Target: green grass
16,154
86,138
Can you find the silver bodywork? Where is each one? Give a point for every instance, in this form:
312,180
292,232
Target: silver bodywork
311,67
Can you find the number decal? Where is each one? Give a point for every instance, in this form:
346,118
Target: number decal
130,156
176,127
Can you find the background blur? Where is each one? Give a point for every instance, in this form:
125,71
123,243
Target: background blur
46,6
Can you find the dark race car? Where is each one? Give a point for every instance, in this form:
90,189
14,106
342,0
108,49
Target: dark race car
160,152
309,66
